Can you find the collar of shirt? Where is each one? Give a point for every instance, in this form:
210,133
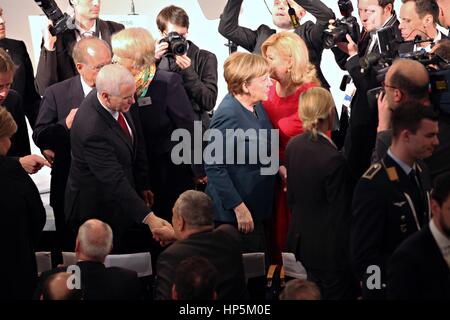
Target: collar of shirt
81,30
326,137
86,88
429,47
402,165
442,241
113,113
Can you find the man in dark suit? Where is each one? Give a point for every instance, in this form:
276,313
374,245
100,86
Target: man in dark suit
390,201
193,228
97,282
59,106
55,62
406,81
310,32
24,76
419,18
420,268
107,169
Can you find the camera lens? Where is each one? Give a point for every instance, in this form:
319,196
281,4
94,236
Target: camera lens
179,49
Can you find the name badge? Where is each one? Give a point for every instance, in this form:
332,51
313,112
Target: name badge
145,101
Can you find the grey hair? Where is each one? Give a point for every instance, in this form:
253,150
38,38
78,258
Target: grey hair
196,208
111,77
96,239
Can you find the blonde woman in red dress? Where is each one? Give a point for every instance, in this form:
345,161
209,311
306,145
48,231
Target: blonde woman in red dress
292,74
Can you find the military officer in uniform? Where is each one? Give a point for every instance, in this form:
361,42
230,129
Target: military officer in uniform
391,200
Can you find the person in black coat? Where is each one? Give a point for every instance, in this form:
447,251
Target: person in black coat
24,76
13,102
164,109
320,186
59,106
193,230
391,200
419,268
55,61
23,218
96,281
108,171
311,33
197,67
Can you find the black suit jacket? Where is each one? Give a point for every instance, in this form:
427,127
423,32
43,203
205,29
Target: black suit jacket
320,188
222,247
23,218
101,283
51,131
101,181
383,216
20,144
23,77
417,270
311,33
55,66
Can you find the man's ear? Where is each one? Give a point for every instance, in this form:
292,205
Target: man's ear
428,20
79,67
398,95
301,14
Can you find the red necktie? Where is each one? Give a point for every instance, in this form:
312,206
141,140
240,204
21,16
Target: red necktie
123,125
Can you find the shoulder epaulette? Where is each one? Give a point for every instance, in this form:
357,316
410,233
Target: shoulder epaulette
372,171
392,173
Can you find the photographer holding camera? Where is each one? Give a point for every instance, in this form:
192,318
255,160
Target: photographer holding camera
418,19
197,67
55,62
374,15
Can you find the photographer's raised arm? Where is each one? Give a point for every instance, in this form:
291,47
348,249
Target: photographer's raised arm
230,29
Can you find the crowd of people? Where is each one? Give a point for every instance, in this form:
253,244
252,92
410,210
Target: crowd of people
361,200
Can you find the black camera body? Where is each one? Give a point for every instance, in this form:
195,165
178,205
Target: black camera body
346,25
54,14
177,44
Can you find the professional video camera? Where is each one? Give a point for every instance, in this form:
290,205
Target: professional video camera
60,20
346,25
177,43
437,66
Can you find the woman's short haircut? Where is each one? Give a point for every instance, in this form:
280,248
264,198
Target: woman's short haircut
241,67
314,106
7,124
291,46
136,44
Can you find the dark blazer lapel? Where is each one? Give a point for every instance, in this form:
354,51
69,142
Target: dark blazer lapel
130,122
104,31
76,94
403,179
112,123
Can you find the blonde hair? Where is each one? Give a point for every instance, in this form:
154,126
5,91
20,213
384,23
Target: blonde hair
7,124
136,44
291,46
314,106
241,67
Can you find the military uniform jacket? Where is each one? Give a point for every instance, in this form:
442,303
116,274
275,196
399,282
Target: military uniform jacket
385,213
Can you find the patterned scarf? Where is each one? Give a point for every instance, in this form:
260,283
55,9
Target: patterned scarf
143,80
